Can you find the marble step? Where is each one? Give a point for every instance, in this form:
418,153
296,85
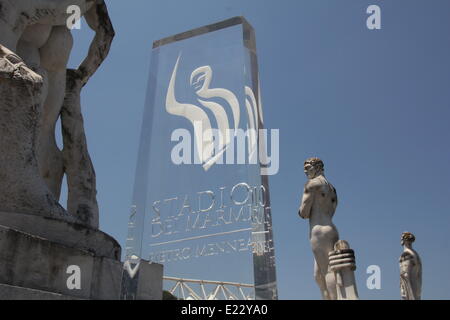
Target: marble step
8,292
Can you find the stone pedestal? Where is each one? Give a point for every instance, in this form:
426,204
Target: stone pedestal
65,233
19,293
29,262
42,258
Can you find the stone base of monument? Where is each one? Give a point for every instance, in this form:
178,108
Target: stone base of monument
19,293
42,258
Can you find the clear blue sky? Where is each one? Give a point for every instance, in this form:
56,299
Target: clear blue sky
374,105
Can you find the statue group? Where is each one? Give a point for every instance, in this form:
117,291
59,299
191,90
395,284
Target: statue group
37,90
334,261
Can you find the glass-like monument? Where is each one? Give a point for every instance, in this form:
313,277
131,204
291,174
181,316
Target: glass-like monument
201,203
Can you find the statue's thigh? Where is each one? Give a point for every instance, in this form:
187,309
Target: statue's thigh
55,53
321,259
54,58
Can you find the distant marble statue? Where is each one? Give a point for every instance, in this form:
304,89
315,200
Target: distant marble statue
37,89
410,269
343,264
319,205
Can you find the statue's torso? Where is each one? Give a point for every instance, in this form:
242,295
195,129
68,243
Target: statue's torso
325,201
410,275
322,211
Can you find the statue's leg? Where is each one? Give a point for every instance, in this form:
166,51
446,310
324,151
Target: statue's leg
54,58
81,180
320,279
327,279
330,280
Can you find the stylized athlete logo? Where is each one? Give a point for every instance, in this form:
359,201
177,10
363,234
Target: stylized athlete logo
204,138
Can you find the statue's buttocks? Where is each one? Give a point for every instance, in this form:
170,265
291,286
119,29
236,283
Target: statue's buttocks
320,233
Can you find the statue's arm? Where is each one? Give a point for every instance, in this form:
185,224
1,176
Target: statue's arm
98,20
307,202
